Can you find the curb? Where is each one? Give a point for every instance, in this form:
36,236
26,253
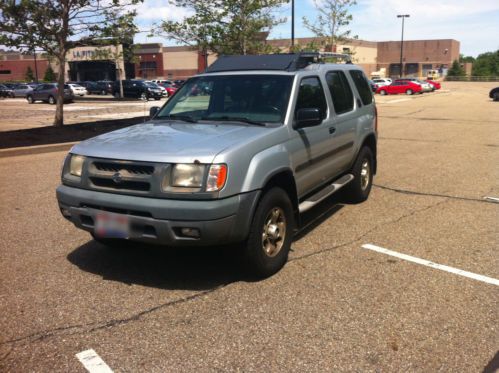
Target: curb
36,149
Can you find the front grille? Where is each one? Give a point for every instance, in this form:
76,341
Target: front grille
141,186
130,168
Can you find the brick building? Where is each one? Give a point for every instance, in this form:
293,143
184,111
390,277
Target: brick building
13,66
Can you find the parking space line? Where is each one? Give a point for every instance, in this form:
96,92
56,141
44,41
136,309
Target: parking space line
493,199
457,271
93,362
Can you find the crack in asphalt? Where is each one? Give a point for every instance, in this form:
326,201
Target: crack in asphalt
359,237
401,139
98,325
440,119
405,191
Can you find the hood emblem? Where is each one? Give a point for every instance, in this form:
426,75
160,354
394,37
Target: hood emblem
117,178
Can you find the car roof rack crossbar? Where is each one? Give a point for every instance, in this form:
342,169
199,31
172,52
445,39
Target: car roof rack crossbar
280,62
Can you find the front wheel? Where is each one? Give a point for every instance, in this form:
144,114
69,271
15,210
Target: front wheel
382,92
30,99
51,100
496,96
117,95
409,92
267,247
359,188
144,96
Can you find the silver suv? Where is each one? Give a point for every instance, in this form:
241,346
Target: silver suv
235,156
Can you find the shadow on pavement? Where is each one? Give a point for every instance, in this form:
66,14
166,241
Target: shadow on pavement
179,268
67,133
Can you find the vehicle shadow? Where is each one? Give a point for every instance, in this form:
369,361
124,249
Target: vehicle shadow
180,268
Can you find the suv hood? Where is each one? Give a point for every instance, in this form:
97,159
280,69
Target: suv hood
169,142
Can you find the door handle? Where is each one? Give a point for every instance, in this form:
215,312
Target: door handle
332,130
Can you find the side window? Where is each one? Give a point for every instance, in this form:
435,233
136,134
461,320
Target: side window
311,95
341,93
361,83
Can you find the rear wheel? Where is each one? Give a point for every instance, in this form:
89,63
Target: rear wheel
382,92
359,188
496,96
30,99
144,96
117,95
409,92
267,247
51,100
103,92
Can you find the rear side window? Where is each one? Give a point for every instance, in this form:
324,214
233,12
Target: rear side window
362,86
341,93
311,95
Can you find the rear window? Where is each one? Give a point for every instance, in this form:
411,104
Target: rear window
360,82
341,93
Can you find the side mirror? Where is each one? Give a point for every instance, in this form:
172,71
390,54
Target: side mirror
307,118
153,111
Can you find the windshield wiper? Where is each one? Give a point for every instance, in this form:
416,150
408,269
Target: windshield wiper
185,118
236,119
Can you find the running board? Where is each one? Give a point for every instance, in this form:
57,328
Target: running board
324,193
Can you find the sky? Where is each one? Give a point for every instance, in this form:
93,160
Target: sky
475,24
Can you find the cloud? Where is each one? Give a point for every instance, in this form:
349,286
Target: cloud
159,10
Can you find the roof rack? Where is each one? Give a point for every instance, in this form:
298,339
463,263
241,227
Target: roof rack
282,62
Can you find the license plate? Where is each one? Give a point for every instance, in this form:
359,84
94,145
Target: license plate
111,225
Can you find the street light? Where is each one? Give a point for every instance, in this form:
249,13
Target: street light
403,16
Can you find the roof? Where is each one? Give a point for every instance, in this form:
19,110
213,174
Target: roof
277,62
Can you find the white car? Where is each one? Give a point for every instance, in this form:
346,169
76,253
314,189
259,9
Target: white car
77,89
381,82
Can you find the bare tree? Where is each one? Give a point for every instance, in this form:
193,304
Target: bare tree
329,26
56,25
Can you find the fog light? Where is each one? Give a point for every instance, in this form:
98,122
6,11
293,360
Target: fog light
190,232
65,212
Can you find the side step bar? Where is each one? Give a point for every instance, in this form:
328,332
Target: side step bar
324,193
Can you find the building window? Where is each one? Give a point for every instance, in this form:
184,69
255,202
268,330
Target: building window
148,65
5,72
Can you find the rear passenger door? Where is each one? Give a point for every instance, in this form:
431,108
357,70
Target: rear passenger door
345,120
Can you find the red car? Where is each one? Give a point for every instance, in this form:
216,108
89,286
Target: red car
402,86
434,83
170,89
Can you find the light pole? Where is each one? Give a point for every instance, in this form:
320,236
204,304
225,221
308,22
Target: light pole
293,25
403,16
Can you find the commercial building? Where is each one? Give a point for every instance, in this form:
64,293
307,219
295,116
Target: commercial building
155,61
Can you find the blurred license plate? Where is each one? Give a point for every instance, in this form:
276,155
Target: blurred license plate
112,225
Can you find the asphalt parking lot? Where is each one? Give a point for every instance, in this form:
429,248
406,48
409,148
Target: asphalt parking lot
338,305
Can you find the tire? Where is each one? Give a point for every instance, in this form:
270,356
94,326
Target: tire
117,95
382,92
103,92
267,247
409,92
157,98
51,100
30,99
144,96
359,188
495,96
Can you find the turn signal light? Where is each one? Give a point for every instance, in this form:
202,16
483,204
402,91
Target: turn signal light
217,175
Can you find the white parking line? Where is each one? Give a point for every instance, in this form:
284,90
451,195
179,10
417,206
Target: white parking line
493,199
92,362
474,276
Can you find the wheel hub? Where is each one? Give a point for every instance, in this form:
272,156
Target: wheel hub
274,232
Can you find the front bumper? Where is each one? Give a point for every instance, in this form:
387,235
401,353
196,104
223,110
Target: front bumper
159,221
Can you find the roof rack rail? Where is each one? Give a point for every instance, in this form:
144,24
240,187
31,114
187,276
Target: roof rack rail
282,62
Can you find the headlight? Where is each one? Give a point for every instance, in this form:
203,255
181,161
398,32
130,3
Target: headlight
76,165
187,175
216,177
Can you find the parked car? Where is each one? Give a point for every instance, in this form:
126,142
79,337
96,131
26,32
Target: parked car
373,85
170,88
494,94
21,90
425,87
138,89
380,82
179,82
434,83
5,91
163,89
402,86
245,176
106,87
47,92
77,89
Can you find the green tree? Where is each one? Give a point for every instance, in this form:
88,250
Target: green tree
224,26
486,64
331,22
56,25
50,75
463,58
29,77
456,69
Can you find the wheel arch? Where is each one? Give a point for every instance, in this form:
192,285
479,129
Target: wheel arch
371,143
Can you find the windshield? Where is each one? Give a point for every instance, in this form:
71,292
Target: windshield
150,84
258,98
